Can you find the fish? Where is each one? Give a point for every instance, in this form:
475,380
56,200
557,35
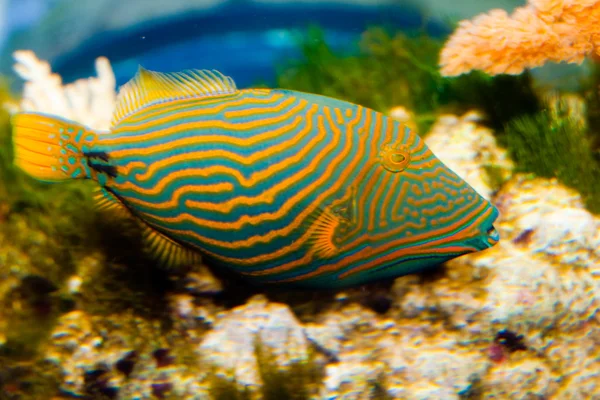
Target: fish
273,185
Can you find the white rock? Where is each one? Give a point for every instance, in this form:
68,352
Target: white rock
350,380
516,380
231,344
440,363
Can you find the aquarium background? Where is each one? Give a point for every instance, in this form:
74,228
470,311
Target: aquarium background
87,312
176,35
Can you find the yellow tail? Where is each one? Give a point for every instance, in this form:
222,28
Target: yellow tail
50,148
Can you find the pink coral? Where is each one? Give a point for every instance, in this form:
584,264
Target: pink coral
541,31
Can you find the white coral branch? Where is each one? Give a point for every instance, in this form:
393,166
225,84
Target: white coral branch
90,101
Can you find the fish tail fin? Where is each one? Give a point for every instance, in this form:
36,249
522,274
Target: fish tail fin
50,148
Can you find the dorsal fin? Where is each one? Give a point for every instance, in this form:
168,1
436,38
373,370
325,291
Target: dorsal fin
149,87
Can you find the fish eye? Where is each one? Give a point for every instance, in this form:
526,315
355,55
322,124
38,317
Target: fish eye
397,158
394,157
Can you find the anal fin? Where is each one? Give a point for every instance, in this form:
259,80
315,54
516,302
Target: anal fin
106,202
168,252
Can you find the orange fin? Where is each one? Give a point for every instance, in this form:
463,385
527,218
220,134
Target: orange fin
322,235
149,87
50,148
169,253
106,202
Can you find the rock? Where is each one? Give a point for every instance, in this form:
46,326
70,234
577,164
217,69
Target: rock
577,358
76,348
548,218
351,380
430,363
522,378
231,343
326,336
98,355
542,277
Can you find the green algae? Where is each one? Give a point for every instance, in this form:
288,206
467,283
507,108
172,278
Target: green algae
381,76
377,389
42,231
28,380
501,98
589,92
223,388
555,143
298,381
475,390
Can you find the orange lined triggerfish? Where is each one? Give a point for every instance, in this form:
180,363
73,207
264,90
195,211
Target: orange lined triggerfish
275,185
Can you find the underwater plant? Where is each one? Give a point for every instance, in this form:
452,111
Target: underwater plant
556,143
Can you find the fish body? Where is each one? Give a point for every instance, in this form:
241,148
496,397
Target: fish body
276,185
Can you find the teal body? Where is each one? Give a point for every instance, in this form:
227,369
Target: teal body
287,187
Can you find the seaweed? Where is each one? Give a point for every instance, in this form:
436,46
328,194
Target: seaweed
28,380
61,212
556,143
475,390
222,388
590,92
501,98
297,381
377,388
387,71
47,232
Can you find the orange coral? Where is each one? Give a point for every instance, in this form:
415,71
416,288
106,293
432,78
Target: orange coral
541,31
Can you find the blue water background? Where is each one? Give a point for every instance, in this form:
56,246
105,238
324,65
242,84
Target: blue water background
243,39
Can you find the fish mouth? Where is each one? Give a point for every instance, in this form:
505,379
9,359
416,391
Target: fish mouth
491,234
486,234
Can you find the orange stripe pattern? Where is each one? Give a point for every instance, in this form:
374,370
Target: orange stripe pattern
283,186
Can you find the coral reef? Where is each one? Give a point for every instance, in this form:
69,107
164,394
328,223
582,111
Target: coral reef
541,31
